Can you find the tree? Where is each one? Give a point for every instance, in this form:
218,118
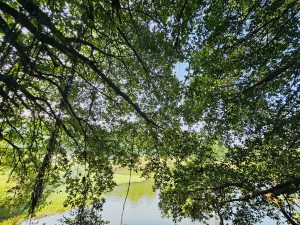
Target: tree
89,84
72,76
243,90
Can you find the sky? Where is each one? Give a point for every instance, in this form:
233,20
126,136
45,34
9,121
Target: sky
180,70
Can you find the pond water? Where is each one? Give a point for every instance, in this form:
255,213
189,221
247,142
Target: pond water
141,208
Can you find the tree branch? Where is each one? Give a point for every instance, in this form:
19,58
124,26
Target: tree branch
70,51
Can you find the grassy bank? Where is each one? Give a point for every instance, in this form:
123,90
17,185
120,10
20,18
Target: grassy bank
56,200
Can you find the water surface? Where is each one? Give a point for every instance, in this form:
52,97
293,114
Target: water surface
141,208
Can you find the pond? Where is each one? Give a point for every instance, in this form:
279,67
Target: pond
141,208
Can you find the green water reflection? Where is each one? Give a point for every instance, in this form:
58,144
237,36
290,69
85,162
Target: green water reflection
137,191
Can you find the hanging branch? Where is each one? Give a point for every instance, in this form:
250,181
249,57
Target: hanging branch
126,196
129,183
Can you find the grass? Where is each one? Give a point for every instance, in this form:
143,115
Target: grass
55,200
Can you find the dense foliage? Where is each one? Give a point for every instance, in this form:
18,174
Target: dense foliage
87,85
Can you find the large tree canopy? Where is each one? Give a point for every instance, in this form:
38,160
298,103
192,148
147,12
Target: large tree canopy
244,93
85,85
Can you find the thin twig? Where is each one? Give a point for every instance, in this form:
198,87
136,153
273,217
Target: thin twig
124,203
